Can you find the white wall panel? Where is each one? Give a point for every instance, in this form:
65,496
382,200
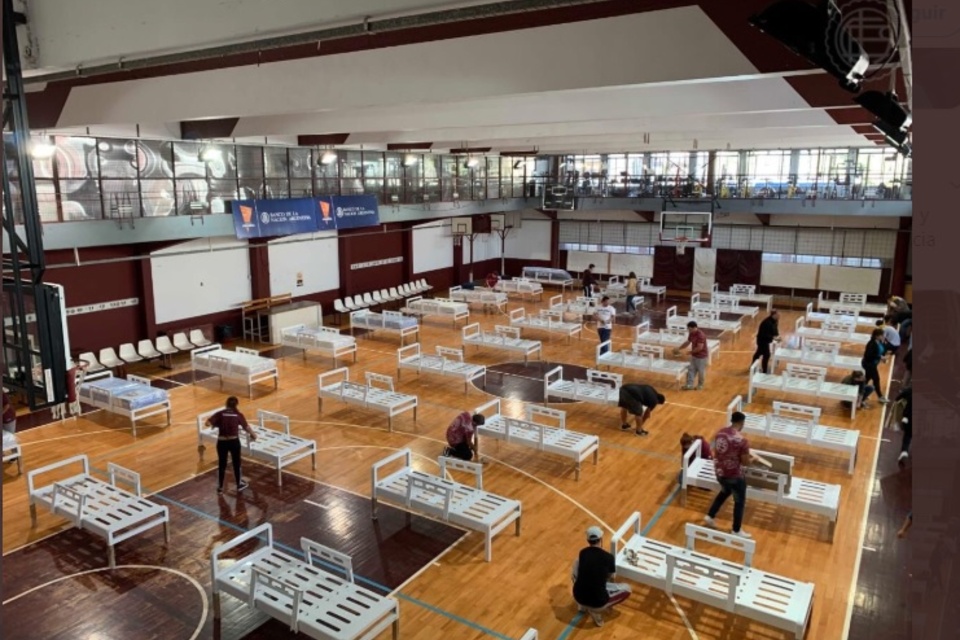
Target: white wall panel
315,256
850,280
623,263
531,241
789,275
432,247
215,279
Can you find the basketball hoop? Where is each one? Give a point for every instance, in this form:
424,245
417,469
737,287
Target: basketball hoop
681,245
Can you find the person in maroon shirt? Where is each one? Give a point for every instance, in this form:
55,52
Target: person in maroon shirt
687,441
699,354
9,415
731,452
228,423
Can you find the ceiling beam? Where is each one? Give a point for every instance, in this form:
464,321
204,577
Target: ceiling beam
649,216
764,218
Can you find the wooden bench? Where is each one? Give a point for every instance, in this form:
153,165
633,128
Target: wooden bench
447,363
765,485
438,497
802,380
533,433
377,394
502,338
737,588
800,424
324,604
276,447
643,357
600,387
103,508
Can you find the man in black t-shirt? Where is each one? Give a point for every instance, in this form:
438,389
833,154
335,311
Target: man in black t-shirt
767,332
592,571
639,400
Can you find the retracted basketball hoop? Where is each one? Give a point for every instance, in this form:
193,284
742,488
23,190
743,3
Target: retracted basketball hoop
681,245
683,229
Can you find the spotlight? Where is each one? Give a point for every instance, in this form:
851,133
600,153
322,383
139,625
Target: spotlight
816,33
887,107
328,157
42,149
471,163
209,154
410,159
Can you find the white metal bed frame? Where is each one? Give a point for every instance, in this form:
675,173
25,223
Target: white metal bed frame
737,588
832,331
447,363
486,298
102,508
671,338
223,366
818,498
12,451
804,380
858,300
819,353
521,287
446,500
529,432
644,286
370,321
333,345
748,293
725,303
377,394
549,321
502,338
799,424
276,447
441,307
324,604
596,389
547,277
104,399
642,357
705,319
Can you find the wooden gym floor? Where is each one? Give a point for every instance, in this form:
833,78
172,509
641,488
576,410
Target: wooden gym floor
447,591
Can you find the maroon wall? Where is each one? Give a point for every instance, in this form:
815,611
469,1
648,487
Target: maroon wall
91,284
364,245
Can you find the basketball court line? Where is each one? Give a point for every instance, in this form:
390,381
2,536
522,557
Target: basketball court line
190,579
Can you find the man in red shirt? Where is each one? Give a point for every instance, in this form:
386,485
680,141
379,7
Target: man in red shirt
462,436
9,415
699,354
731,452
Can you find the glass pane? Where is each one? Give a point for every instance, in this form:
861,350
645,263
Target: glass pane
327,176
448,176
223,190
76,157
301,188
155,158
275,162
80,200
157,197
47,201
186,161
121,198
250,189
301,162
118,158
249,162
192,197
373,188
326,187
372,164
394,165
277,189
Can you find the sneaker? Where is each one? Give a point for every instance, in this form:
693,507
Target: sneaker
243,485
700,388
864,405
741,533
581,608
642,432
447,452
904,455
884,400
710,522
686,387
624,427
597,619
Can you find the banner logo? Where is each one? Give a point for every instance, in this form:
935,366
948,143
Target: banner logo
247,214
325,210
873,24
264,218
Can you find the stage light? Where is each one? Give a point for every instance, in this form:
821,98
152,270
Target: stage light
410,159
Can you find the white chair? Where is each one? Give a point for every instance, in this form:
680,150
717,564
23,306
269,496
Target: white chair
128,354
394,294
147,351
198,339
407,291
368,300
181,343
92,364
339,308
167,350
358,300
350,305
378,298
426,285
109,359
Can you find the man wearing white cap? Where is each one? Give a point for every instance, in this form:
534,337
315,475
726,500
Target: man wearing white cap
593,571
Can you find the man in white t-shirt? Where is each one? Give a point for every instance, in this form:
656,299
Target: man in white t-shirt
891,337
604,316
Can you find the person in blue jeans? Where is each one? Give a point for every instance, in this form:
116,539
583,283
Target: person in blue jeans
731,453
872,357
604,316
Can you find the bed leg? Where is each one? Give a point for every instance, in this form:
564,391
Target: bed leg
596,455
396,627
488,547
320,404
166,531
373,505
111,556
390,424
578,472
414,414
313,456
169,417
33,514
683,497
216,605
518,525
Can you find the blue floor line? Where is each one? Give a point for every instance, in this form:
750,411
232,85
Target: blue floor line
297,552
656,516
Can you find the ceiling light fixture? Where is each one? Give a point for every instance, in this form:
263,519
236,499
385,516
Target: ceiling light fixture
471,163
410,159
42,148
209,154
329,157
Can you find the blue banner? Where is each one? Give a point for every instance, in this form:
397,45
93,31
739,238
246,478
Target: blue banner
270,218
353,212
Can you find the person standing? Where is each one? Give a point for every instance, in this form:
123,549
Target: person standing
906,423
731,452
891,337
699,355
589,281
872,356
593,588
9,415
604,315
767,332
632,292
228,422
638,400
462,436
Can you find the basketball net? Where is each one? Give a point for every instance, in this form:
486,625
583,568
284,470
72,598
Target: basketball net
681,245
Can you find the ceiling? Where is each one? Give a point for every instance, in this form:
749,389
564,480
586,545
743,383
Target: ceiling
587,77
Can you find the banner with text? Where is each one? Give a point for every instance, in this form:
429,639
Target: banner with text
351,212
270,218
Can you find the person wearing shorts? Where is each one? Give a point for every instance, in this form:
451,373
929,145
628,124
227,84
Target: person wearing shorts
638,400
